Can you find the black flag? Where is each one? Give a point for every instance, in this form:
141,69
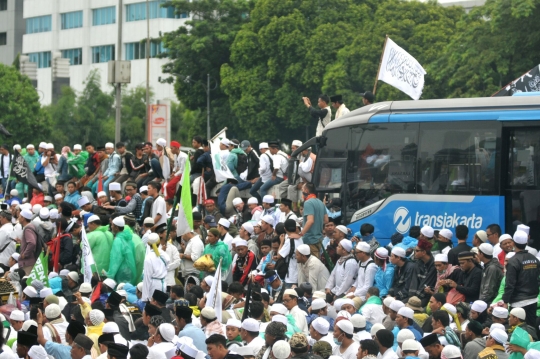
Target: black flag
22,172
528,82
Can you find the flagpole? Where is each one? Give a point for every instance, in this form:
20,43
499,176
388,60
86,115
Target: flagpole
217,283
380,63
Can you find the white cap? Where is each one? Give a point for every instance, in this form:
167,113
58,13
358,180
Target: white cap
14,192
268,219
486,248
346,244
321,325
304,249
524,228
281,349
93,218
109,145
499,336
521,237
15,256
342,229
44,213
346,326
82,201
510,255
450,308
58,196
376,327
253,200
15,203
26,213
119,221
278,308
251,325
234,323
400,252
225,141
29,146
358,321
297,143
143,189
43,145
47,199
140,286
291,292
85,288
500,312
52,311
115,186
388,300
411,345
17,315
406,312
74,276
318,304
263,145
441,258
45,292
237,201
479,306
504,237
241,243
36,208
110,327
225,223
102,194
209,280
280,319
427,231
208,312
519,313
77,147
396,305
363,246
49,146
404,334
96,316
110,283
268,199
446,233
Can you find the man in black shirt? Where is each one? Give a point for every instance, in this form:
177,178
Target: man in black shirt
467,281
462,232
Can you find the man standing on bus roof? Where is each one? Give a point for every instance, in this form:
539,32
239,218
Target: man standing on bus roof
368,98
337,103
323,116
314,219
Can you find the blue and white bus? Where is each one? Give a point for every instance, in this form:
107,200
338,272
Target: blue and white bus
473,161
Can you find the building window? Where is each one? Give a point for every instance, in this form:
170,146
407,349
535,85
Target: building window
104,16
184,15
3,5
72,20
3,38
74,56
42,59
135,12
102,53
137,50
38,24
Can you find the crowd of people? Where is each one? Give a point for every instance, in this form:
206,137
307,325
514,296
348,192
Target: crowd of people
293,281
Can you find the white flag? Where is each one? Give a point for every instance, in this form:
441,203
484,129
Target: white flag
87,256
219,159
213,299
401,70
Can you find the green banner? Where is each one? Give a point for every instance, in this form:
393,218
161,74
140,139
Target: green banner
40,271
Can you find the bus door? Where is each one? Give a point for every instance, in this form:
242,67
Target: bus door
521,176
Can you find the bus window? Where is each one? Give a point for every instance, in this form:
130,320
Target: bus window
381,162
331,161
458,157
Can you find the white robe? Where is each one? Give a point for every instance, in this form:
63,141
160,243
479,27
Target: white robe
300,318
155,273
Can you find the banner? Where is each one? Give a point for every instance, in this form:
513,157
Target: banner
401,70
40,271
22,172
219,158
528,82
213,299
87,256
184,222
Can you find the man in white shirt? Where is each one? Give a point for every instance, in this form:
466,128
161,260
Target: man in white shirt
366,270
5,163
347,348
7,246
192,249
265,170
291,228
318,331
385,339
223,228
339,106
250,334
159,207
279,167
372,310
172,252
286,212
311,269
290,301
340,279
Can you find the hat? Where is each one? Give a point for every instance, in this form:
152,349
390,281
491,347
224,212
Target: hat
396,305
49,146
482,235
363,246
167,331
369,96
375,328
281,349
414,303
520,237
26,339
114,298
102,194
427,231
82,201
263,145
321,325
336,98
119,221
251,325
209,280
74,328
381,253
237,201
189,350
241,243
479,306
83,341
208,313
43,145
451,352
152,310
109,145
405,334
486,248
15,256
273,143
14,193
346,326
248,226
36,208
519,313
110,327
291,292
524,228
500,312
182,311
318,304
77,147
268,219
399,252
245,144
410,345
430,340
342,229
74,276
52,299
346,245
110,283
210,220
225,223
29,146
115,186
466,255
47,199
406,312
499,336
304,249
58,196
278,308
119,350
141,190
159,296
268,199
26,213
153,238
280,319
253,200
298,341
504,237
93,218
387,301
424,245
441,258
17,315
96,316
175,144
30,292
225,141
358,321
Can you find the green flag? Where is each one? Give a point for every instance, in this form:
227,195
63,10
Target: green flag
184,223
40,271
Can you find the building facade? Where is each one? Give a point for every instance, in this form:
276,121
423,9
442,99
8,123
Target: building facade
12,29
86,32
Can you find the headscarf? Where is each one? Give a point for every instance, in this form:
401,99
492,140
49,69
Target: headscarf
449,270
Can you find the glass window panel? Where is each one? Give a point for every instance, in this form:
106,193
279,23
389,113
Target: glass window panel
38,24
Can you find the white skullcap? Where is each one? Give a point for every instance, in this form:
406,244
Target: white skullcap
47,199
376,327
400,252
15,203
237,201
241,243
500,312
321,325
27,324
25,205
268,199
225,141
77,147
318,303
85,288
110,283
53,275
263,145
52,311
225,223
115,186
451,351
15,256
446,233
253,200
119,221
96,316
64,272
344,314
37,352
346,245
208,312
110,327
251,325
519,313
388,300
140,287
93,218
82,201
14,192
342,229
188,350
396,305
297,143
338,303
26,213
120,286
30,292
496,326
346,326
109,145
43,145
49,146
450,308
405,334
530,354
278,308
304,249
504,237
280,319
102,194
521,237
479,306
486,248
153,238
381,253
58,196
167,332
358,321
441,258
45,292
17,315
524,228
74,276
248,227
268,219
291,292
499,335
427,231
29,146
156,353
406,312
281,349
209,280
363,246
36,208
143,189
17,147
411,345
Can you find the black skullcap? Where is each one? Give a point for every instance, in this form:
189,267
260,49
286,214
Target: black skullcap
74,328
430,340
184,312
114,299
83,341
266,242
273,143
106,338
336,98
466,255
109,313
385,337
475,327
151,310
117,350
138,351
197,216
160,297
26,339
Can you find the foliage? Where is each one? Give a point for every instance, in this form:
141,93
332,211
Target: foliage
20,111
186,123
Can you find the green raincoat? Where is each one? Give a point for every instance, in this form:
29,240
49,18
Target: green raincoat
521,338
100,241
220,251
140,253
76,163
122,267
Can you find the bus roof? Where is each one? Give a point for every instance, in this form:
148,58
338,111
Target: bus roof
506,108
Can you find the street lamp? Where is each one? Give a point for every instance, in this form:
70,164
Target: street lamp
207,88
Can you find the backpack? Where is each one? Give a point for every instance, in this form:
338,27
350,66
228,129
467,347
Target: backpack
242,163
40,245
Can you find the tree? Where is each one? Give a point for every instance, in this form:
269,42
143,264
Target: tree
186,123
20,110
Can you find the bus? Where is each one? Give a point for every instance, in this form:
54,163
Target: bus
442,163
